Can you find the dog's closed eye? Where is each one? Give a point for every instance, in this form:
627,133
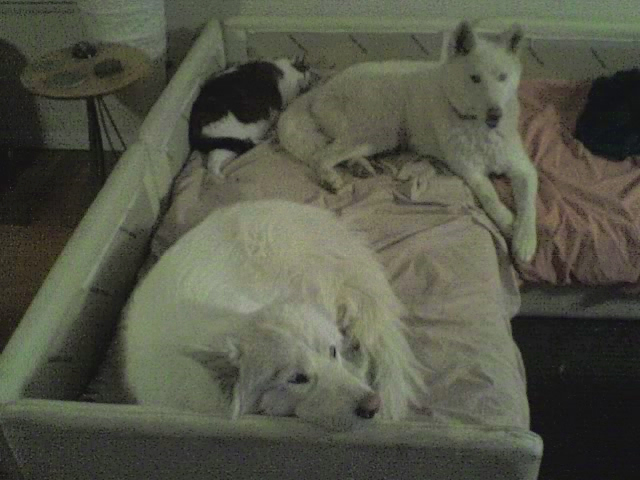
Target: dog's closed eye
299,378
333,352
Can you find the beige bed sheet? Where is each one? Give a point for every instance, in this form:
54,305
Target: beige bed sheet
445,259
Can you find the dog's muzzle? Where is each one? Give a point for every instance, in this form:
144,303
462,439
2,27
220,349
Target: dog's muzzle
493,117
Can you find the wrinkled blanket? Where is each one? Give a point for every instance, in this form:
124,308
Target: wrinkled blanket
588,206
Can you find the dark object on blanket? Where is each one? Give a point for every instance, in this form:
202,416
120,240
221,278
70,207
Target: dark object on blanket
84,50
609,125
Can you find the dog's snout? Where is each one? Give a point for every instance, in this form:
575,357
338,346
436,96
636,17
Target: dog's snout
369,406
494,114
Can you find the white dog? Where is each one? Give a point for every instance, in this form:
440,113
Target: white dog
271,307
463,111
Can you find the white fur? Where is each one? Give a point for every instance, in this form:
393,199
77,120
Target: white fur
373,108
229,126
217,158
293,81
256,294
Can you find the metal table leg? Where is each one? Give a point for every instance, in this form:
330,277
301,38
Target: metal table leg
95,141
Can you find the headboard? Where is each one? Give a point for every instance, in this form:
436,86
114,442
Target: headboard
553,49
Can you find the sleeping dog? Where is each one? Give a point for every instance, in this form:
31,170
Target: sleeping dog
276,308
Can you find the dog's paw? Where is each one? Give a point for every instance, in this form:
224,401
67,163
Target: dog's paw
504,220
361,167
378,167
412,170
332,186
524,242
331,181
328,186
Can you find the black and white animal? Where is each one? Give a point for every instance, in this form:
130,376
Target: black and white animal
237,108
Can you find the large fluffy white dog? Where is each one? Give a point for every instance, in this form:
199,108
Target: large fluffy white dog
271,307
463,111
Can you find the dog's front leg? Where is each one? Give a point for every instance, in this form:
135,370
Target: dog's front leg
524,183
486,194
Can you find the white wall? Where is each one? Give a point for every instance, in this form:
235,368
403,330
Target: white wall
580,10
191,12
184,17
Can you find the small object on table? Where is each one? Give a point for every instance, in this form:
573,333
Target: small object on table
108,67
89,72
83,50
66,79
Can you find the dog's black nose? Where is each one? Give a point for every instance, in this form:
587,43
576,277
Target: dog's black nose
493,117
369,406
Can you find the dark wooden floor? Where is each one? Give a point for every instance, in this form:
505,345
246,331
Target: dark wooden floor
43,196
584,389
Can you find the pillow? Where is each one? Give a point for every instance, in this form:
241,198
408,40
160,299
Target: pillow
609,124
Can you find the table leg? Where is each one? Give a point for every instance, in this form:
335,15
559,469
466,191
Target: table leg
95,141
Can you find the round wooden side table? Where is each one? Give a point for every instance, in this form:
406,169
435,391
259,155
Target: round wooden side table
60,75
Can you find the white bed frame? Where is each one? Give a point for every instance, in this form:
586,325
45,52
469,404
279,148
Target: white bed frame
54,352
554,49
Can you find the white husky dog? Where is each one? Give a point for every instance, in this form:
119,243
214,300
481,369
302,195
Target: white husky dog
271,307
463,111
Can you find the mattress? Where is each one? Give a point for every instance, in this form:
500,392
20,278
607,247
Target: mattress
428,233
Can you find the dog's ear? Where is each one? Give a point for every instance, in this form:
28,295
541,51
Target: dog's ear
225,358
243,397
225,349
512,38
300,63
463,40
246,391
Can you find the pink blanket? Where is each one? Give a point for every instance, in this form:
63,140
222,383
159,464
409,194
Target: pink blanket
588,207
